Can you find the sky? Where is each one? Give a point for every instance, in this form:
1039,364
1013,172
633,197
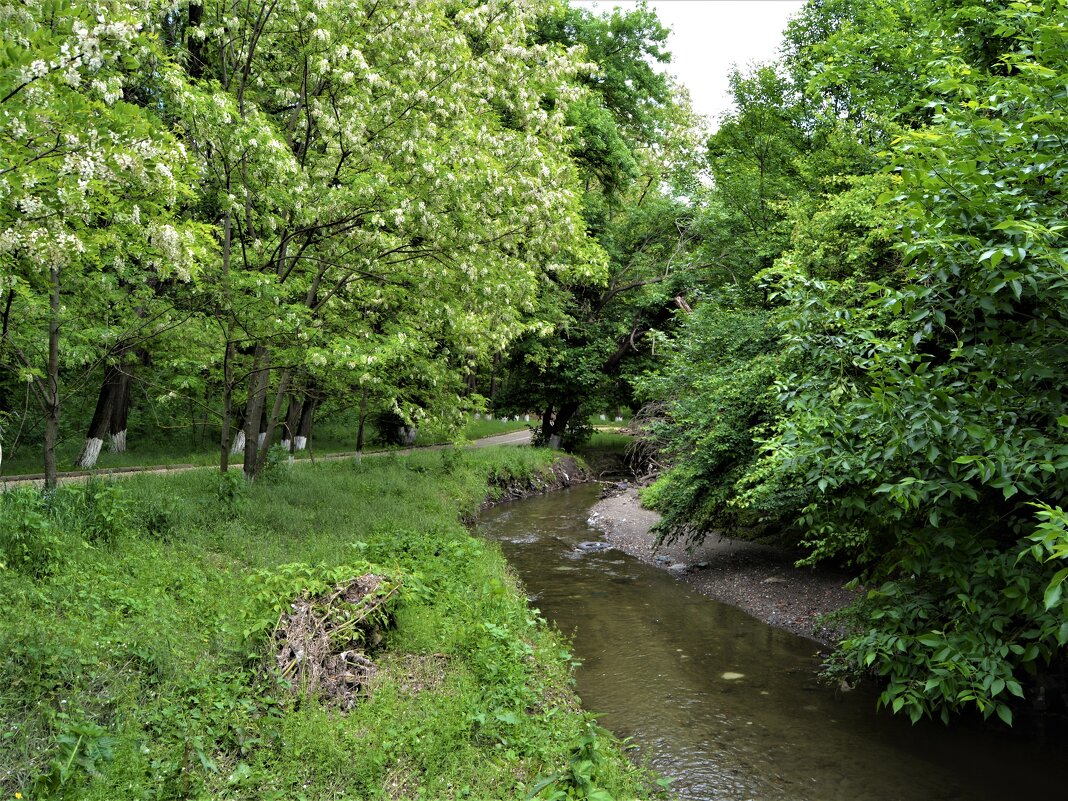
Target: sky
710,36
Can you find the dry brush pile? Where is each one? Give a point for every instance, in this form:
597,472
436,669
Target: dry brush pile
323,642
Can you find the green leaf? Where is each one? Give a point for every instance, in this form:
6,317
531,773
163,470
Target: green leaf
1052,596
1005,714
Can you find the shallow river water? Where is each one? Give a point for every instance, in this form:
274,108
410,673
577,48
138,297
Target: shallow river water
726,705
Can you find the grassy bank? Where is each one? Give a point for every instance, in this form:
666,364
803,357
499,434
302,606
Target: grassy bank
138,659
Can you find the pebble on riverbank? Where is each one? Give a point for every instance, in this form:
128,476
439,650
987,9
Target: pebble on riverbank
759,579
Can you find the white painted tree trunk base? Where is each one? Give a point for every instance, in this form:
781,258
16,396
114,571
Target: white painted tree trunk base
300,443
286,444
118,442
239,443
90,453
261,439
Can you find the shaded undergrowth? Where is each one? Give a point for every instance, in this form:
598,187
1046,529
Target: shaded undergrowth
140,647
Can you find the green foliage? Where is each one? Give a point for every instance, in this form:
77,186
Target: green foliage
718,380
910,370
100,510
230,488
30,542
1051,543
39,532
999,635
270,592
631,131
578,779
84,747
275,465
623,45
140,670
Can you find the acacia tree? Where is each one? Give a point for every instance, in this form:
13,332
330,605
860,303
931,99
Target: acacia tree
377,168
91,185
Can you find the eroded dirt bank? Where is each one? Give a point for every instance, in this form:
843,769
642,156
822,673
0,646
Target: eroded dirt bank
565,471
759,579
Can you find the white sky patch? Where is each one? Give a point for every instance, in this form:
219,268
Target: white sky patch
709,37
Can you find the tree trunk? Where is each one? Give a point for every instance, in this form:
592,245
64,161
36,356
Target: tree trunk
227,410
261,436
359,436
120,411
307,420
361,425
493,378
228,354
271,421
102,416
194,44
238,445
289,427
52,385
257,389
554,422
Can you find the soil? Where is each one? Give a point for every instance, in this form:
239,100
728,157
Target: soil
758,578
564,472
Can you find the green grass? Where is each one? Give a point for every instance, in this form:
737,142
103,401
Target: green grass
331,436
609,441
129,670
609,419
604,453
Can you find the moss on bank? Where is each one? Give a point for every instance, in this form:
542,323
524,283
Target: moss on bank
137,632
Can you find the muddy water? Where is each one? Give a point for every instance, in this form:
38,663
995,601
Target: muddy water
726,705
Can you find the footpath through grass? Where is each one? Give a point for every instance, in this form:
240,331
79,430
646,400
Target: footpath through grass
149,449
137,622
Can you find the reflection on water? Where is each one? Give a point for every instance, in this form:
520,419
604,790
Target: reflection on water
726,705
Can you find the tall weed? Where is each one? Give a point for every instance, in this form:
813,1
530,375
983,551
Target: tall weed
30,541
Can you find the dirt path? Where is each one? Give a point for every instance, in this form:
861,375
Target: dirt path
37,480
759,579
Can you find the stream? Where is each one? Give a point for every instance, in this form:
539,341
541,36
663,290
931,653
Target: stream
726,705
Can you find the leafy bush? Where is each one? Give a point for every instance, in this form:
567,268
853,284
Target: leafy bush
1006,627
718,379
30,541
101,510
579,779
231,487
